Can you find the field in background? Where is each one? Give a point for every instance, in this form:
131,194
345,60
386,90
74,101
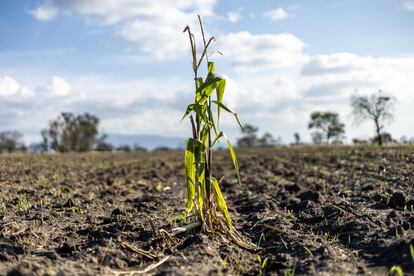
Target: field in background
311,209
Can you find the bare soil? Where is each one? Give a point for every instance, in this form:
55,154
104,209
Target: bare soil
314,211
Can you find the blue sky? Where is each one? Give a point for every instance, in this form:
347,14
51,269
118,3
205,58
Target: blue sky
129,62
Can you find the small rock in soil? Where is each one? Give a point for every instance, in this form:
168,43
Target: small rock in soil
309,195
379,198
397,200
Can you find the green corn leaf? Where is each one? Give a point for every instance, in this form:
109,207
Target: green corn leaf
204,135
222,203
210,67
218,136
199,82
221,87
207,88
201,189
190,170
210,115
200,194
234,158
201,183
190,108
200,159
228,109
199,110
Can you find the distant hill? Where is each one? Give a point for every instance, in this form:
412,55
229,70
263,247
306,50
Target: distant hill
147,141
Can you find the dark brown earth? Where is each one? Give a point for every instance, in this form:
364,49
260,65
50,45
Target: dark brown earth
314,211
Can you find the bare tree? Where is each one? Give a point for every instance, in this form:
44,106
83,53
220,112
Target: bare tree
296,135
249,138
11,141
377,108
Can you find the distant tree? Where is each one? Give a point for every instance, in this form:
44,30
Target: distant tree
249,138
161,149
35,147
267,140
328,125
383,138
404,140
296,136
102,144
139,148
11,141
377,108
71,133
317,137
44,145
125,148
357,141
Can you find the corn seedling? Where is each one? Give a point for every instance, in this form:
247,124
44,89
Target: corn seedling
290,272
412,251
203,190
263,263
356,254
24,204
225,262
73,210
308,250
2,205
396,270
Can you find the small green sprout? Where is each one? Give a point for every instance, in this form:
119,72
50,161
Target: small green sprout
308,250
225,262
57,192
396,270
290,272
159,187
73,210
49,271
263,263
356,254
412,251
2,205
24,204
42,180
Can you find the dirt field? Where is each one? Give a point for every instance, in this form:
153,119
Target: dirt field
314,211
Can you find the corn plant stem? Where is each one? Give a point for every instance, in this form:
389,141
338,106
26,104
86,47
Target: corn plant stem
208,165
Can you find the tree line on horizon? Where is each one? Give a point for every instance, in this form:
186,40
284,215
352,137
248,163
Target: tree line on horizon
327,127
66,133
79,133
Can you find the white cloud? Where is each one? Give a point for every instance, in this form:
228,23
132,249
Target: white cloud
45,12
277,14
272,81
409,5
233,16
155,27
278,100
55,87
274,84
249,51
10,87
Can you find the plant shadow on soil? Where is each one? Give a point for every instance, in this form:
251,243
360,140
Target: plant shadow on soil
312,210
